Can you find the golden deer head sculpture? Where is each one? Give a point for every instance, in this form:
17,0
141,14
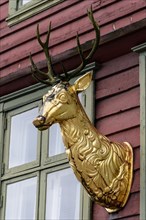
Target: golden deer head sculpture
103,167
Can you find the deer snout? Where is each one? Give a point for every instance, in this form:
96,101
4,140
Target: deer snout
39,121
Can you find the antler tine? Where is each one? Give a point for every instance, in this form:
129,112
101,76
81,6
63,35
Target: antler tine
44,45
41,80
37,74
79,48
97,31
67,76
64,71
94,47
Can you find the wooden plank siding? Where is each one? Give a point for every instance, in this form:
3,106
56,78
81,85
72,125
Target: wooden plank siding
18,41
117,116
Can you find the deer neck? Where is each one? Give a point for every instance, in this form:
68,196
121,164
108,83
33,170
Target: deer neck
78,130
98,163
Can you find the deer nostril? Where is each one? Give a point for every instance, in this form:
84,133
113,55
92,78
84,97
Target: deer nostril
40,120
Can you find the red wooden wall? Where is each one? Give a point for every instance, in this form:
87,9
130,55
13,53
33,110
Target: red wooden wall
117,116
122,25
67,17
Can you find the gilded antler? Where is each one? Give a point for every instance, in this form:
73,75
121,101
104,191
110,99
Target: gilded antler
50,77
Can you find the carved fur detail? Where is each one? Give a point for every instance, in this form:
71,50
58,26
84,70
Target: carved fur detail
101,165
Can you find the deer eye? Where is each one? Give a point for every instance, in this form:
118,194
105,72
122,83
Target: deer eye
62,97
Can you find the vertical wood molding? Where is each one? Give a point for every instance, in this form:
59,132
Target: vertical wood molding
1,151
141,49
142,79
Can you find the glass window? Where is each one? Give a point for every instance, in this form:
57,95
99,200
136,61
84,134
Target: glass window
21,200
63,192
23,138
25,2
21,3
56,145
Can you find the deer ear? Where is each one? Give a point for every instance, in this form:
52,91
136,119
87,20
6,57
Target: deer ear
83,82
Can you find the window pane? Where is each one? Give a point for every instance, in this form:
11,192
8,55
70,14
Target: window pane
23,139
21,200
63,196
20,3
56,145
25,2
